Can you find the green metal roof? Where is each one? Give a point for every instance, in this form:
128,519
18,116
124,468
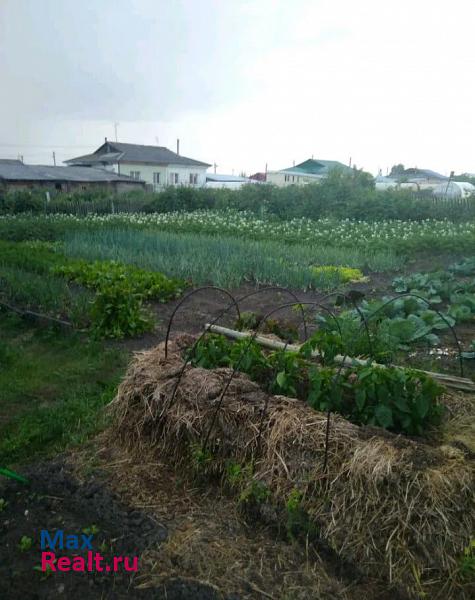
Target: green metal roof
317,167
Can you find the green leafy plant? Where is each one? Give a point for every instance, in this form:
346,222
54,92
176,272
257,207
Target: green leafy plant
467,562
3,504
247,320
121,289
343,274
283,329
248,357
91,530
25,544
234,474
254,494
117,312
201,457
401,400
328,341
298,522
238,475
210,352
100,274
464,267
47,572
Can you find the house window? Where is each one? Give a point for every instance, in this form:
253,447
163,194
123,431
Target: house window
156,178
135,174
193,178
174,178
286,177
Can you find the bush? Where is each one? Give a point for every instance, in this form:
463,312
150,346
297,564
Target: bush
21,201
339,196
34,275
117,312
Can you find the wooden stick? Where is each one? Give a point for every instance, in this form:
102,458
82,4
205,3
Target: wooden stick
458,383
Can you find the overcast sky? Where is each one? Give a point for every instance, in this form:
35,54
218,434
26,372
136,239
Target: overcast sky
242,83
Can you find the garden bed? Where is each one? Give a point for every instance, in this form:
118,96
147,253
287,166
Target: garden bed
398,507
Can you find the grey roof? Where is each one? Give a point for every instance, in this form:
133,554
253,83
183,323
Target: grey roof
415,173
111,152
95,159
15,170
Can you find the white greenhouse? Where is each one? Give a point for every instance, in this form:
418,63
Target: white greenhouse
454,189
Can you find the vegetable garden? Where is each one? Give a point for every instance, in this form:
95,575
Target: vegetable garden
339,410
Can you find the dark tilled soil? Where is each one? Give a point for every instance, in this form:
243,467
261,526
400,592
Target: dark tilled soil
205,305
54,500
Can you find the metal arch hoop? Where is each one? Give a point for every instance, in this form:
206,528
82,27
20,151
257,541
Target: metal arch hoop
236,367
235,303
192,293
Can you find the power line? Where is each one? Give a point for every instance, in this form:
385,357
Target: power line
44,146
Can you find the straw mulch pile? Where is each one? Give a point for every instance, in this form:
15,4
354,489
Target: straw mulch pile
397,508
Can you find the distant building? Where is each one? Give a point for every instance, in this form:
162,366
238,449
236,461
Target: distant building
410,179
156,165
258,177
420,179
232,182
417,179
16,175
309,171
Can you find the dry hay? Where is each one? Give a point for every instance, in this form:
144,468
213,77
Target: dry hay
209,543
397,508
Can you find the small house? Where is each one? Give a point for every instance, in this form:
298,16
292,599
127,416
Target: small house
15,175
309,171
156,165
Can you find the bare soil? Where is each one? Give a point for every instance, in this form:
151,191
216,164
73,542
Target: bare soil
192,542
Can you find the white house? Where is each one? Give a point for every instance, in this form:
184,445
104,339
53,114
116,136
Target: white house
156,165
309,171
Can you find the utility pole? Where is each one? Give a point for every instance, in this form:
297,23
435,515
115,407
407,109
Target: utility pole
115,129
215,165
54,158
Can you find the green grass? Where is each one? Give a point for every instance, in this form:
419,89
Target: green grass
225,261
44,293
27,282
53,387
